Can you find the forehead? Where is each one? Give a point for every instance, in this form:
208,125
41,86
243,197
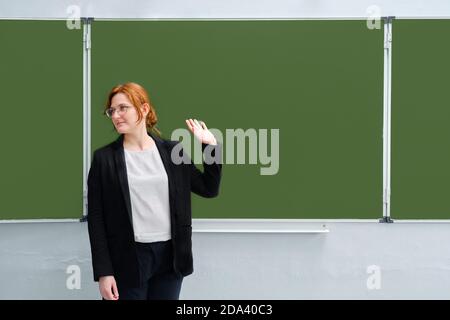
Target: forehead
120,98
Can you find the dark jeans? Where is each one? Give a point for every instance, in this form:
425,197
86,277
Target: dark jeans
159,281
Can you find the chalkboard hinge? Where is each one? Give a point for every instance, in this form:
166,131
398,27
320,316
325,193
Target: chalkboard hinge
386,220
87,20
388,19
87,35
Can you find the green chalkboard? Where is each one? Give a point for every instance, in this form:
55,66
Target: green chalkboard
320,83
420,119
41,123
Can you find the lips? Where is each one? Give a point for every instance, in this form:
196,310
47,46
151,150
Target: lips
120,123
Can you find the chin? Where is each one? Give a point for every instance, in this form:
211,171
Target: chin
121,130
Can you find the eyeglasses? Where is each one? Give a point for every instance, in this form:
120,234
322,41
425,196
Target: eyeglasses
121,109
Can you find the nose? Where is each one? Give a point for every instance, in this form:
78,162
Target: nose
115,115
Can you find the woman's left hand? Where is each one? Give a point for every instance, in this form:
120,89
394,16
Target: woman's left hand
201,132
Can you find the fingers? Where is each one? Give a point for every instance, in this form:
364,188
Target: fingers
115,292
108,289
107,293
190,124
200,124
195,124
201,132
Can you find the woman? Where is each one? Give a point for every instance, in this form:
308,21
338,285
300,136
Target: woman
139,205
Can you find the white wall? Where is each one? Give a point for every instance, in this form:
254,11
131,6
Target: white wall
224,9
414,260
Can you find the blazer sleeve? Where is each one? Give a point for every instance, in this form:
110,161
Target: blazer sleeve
206,183
101,261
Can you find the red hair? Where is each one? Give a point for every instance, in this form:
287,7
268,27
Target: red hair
138,96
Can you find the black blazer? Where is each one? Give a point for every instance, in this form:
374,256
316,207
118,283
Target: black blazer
109,209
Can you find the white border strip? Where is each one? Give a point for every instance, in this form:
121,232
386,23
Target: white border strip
387,119
86,109
258,231
291,226
39,221
258,225
225,19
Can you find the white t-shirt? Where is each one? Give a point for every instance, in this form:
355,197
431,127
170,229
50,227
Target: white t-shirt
149,195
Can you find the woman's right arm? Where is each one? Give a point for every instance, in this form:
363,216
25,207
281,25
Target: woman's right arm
101,261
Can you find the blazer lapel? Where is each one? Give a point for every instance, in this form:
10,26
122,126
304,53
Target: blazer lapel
119,158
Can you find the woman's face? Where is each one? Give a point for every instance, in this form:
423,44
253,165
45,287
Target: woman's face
125,115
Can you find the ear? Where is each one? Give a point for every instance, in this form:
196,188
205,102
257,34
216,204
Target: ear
145,108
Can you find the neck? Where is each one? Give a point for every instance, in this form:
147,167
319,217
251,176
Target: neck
137,140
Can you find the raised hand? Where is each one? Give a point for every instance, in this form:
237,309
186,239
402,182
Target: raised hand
201,132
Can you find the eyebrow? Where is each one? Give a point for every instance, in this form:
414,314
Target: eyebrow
120,105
